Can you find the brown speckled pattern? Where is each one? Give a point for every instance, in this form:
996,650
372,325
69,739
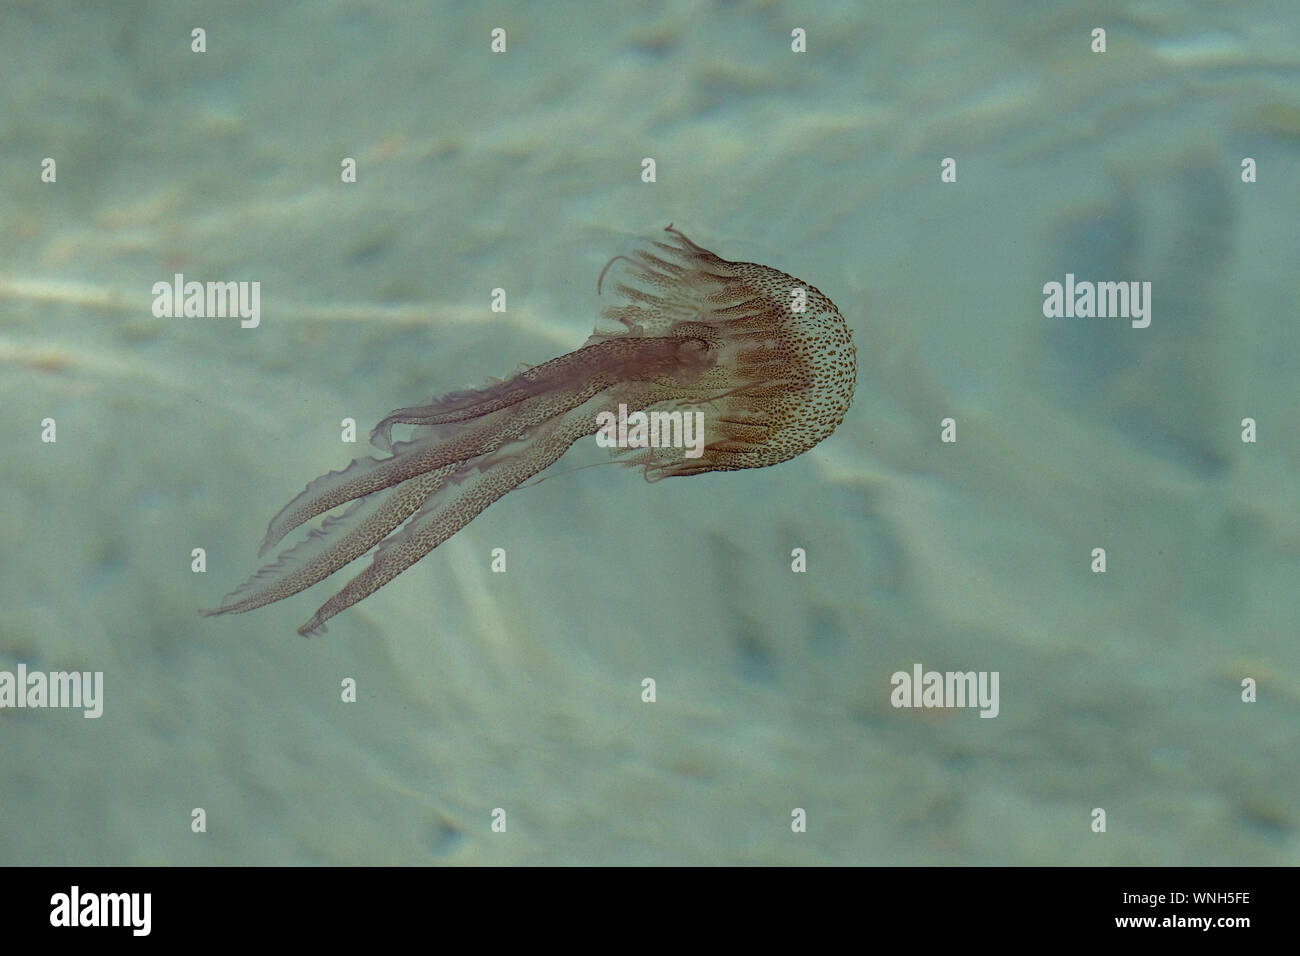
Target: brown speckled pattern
696,333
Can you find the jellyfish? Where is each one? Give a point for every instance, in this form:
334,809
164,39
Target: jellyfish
763,361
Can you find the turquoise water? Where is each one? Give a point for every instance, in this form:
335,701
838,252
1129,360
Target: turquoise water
522,691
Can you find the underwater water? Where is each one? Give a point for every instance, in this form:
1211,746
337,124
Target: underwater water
478,690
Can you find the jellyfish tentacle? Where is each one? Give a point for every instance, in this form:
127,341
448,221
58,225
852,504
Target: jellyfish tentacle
434,525
367,475
337,542
572,380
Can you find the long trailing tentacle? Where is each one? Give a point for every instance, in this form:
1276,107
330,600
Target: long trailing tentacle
598,366
440,518
339,541
545,379
367,475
